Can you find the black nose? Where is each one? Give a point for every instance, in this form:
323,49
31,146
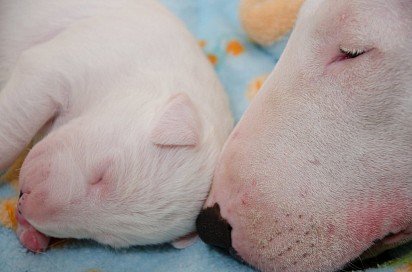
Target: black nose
21,193
213,229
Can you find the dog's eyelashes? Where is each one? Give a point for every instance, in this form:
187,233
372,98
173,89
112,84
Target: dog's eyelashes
352,53
346,54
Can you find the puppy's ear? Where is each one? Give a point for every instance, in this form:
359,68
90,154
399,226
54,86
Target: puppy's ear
185,241
178,124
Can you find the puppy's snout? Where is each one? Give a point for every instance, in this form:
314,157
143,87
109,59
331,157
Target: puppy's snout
213,229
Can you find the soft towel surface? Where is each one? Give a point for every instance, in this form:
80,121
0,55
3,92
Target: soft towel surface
242,67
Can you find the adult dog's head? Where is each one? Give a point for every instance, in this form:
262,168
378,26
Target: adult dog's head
319,169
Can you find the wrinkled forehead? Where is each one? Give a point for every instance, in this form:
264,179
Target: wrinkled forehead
370,21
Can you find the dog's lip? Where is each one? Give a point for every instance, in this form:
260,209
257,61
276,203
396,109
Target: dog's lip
236,256
396,238
370,258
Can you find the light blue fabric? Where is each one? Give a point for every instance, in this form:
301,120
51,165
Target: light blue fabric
216,22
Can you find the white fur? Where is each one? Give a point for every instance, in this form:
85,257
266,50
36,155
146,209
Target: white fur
320,166
95,77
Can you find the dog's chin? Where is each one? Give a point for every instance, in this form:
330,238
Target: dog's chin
390,241
392,246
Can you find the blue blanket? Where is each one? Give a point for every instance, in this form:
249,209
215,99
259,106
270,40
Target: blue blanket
241,66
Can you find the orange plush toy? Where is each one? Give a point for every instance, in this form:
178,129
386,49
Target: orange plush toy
266,21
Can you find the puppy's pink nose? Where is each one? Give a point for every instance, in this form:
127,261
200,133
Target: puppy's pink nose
213,229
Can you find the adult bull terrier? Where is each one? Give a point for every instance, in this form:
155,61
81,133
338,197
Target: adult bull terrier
319,169
133,114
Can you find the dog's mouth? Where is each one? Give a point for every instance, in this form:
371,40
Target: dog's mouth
392,246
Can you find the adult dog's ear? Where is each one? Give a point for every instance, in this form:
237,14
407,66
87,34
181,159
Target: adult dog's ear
178,124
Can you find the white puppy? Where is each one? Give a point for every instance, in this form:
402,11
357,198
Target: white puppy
133,113
319,169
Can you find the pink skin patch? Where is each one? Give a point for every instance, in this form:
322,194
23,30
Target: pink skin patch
374,220
29,237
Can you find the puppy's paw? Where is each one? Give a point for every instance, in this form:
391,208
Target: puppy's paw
185,241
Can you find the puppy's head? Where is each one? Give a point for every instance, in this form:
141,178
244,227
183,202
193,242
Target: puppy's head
319,169
126,175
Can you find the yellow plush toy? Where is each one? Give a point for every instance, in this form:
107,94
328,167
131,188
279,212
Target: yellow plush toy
266,21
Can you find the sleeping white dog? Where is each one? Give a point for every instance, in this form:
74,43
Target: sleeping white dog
133,115
319,169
